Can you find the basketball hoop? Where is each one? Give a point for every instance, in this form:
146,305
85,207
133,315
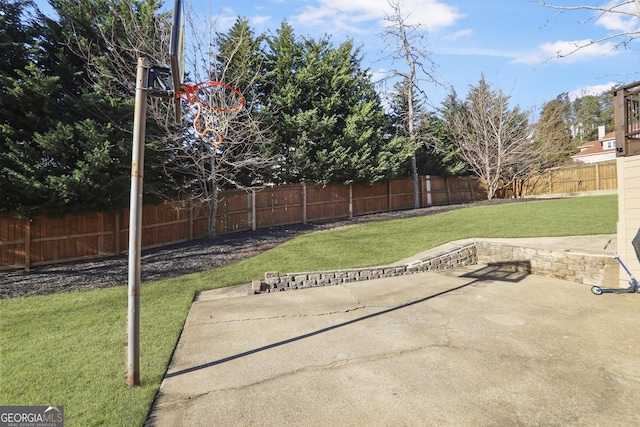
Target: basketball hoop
207,101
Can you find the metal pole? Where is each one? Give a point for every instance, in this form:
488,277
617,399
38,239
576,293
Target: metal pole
135,223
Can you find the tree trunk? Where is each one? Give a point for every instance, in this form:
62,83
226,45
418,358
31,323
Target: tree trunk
416,184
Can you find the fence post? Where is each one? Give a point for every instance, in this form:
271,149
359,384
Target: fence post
389,202
117,233
190,220
446,184
429,198
350,200
470,188
597,177
550,183
27,244
254,224
304,202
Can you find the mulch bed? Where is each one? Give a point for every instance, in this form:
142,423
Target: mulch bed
179,259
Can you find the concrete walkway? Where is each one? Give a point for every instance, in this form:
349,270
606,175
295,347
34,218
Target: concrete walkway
477,346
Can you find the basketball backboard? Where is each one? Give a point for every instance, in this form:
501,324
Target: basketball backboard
176,53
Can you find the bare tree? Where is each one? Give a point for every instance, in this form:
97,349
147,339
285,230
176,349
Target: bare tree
195,167
125,35
406,43
494,141
620,10
231,155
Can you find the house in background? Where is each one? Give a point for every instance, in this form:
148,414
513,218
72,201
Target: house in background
601,150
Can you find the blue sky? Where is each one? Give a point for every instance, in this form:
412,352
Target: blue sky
512,41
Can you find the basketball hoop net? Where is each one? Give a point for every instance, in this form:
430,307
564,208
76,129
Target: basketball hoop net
207,102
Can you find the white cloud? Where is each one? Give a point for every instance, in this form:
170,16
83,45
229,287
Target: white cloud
569,51
591,90
458,34
259,19
622,19
473,51
345,15
379,75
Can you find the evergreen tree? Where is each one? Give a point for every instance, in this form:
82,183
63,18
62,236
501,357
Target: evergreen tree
553,132
434,151
232,158
440,156
16,35
17,47
589,112
324,115
239,62
282,101
66,143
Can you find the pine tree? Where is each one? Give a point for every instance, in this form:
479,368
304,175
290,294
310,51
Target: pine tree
325,116
282,101
554,133
66,144
440,155
17,47
434,151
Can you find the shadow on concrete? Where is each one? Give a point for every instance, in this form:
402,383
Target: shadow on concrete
507,271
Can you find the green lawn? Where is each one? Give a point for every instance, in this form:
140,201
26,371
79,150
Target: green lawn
70,349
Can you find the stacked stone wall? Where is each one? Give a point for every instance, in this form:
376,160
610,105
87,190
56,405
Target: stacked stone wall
273,282
584,268
588,269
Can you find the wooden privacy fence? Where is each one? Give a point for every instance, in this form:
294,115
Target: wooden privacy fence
42,240
575,179
25,243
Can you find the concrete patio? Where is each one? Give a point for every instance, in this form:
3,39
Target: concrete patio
474,346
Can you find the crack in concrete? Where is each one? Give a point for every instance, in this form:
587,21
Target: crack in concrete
281,316
353,294
333,365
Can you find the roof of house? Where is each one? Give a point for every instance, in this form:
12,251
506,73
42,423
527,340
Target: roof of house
595,147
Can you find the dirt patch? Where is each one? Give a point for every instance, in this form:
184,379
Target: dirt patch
179,259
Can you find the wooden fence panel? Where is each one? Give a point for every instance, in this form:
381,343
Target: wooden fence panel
234,212
199,221
279,206
401,194
162,224
71,237
370,198
574,179
325,203
12,241
608,176
439,191
460,190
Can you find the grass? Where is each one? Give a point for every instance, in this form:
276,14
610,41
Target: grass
70,349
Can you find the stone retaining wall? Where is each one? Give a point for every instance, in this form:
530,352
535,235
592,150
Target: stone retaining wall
584,268
588,269
273,282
